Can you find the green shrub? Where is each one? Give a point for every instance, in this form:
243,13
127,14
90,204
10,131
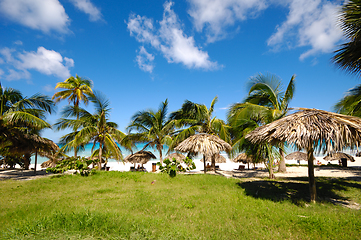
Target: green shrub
81,164
174,166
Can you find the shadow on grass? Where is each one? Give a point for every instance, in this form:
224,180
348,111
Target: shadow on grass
297,190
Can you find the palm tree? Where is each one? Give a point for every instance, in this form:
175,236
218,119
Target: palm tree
195,118
244,118
348,56
77,90
21,117
265,102
350,104
94,128
153,128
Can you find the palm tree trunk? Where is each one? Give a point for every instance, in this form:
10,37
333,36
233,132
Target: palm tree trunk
213,163
204,163
282,163
160,156
77,118
100,155
36,161
311,175
26,161
270,170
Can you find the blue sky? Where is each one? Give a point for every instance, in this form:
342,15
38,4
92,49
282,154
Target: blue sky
140,52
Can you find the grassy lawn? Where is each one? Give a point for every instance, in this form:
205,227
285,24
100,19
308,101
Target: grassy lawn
125,205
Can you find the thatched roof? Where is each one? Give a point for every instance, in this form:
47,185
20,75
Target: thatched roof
218,159
311,127
141,157
297,156
338,156
31,143
243,158
47,164
179,157
204,144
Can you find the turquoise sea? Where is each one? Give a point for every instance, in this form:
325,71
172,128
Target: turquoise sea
88,147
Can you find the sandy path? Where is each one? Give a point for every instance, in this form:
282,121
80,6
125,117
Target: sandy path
294,172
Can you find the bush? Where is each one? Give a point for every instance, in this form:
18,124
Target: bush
174,166
81,164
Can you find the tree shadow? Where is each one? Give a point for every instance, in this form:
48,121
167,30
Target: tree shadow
297,189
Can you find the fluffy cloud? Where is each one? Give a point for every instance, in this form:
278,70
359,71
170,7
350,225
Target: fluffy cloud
170,39
87,7
215,15
309,23
145,60
48,88
43,15
45,61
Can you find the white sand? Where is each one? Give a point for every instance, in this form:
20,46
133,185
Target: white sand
229,169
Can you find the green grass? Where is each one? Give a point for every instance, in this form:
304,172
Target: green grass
116,205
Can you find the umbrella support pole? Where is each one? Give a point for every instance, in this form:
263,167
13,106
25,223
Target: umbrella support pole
311,175
204,163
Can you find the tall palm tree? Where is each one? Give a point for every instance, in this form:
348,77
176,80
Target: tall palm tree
195,118
244,118
348,56
266,102
350,104
76,90
153,128
22,116
94,128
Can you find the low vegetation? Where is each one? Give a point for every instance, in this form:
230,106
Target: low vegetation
136,205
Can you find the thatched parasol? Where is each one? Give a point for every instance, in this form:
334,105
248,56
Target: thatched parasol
298,156
206,144
179,157
141,157
338,156
243,158
218,158
311,129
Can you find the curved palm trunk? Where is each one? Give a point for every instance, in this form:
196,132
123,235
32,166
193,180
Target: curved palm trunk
282,162
100,155
161,156
311,175
270,170
36,161
160,148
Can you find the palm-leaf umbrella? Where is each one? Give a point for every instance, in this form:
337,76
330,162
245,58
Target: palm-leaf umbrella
311,129
297,156
202,143
141,157
218,158
243,158
179,157
338,156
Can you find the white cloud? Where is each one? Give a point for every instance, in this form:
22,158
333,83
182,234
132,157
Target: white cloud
87,7
48,88
45,61
43,15
18,42
309,23
145,60
215,15
170,39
